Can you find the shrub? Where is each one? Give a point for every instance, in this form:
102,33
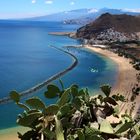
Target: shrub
75,116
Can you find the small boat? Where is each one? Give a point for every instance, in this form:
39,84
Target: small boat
94,70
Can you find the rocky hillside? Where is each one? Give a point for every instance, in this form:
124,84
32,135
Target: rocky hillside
108,28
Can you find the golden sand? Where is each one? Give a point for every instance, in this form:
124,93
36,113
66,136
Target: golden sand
126,78
125,81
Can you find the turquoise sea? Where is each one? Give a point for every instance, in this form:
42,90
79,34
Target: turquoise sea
27,59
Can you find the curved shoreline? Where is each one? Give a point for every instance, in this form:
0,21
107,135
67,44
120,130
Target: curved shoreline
52,78
125,81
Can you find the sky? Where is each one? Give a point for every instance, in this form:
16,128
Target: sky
32,8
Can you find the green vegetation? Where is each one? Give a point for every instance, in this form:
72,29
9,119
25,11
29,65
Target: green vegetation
128,49
136,88
75,116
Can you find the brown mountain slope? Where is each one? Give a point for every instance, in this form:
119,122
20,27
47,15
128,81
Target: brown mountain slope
125,24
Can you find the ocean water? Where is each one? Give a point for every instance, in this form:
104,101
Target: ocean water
27,59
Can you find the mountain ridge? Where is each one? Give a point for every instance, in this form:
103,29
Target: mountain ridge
86,15
110,27
90,17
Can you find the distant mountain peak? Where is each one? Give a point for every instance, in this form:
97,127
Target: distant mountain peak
81,16
93,10
105,15
131,10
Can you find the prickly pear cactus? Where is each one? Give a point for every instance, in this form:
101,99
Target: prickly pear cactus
75,116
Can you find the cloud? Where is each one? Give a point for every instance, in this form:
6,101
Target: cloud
93,10
49,2
72,3
65,12
33,1
131,10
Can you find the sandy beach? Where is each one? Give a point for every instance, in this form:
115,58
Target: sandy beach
126,78
11,133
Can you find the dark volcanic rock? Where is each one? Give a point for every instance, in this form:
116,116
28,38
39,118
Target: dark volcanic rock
111,28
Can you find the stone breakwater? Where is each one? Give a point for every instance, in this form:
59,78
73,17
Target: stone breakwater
52,78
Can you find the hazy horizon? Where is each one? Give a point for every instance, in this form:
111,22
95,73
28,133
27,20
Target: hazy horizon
32,8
